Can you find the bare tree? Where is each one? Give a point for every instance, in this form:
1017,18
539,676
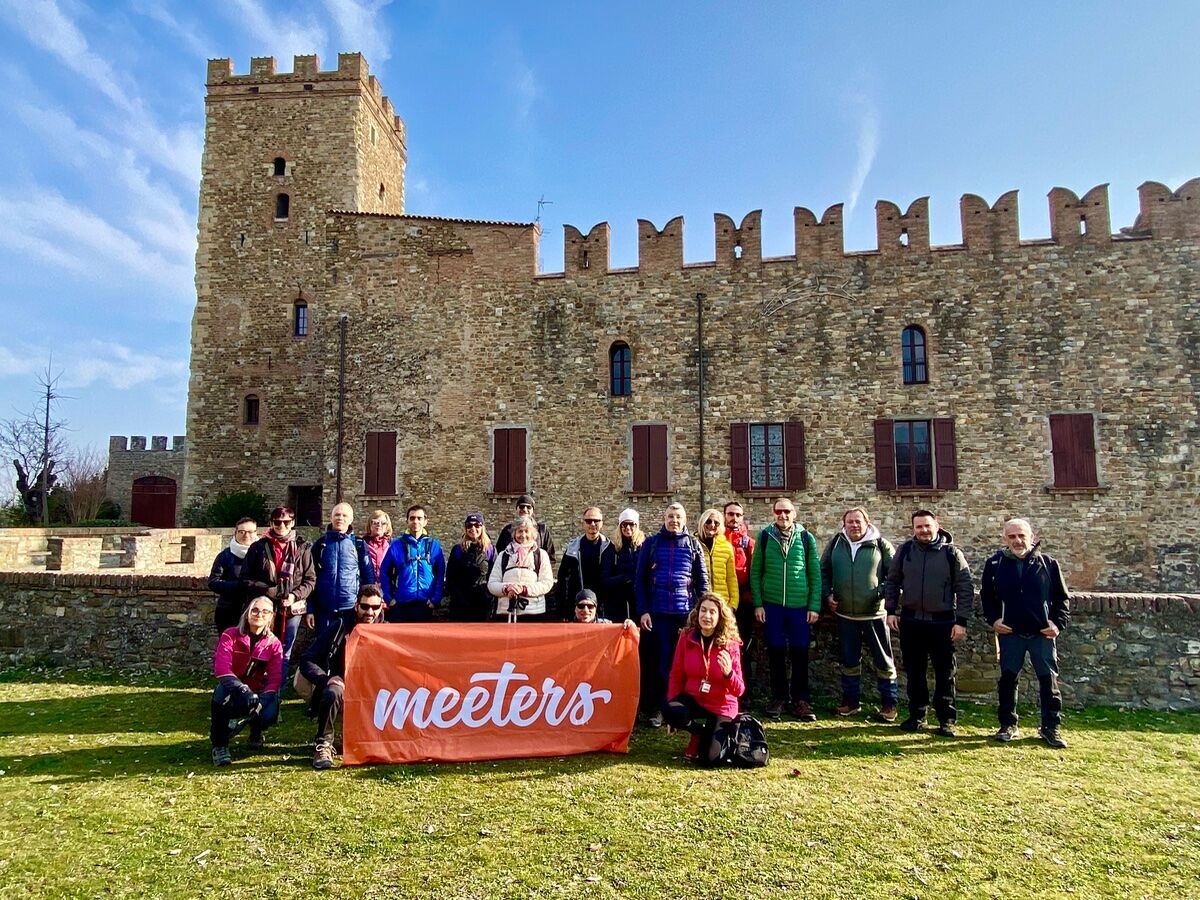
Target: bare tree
36,443
84,480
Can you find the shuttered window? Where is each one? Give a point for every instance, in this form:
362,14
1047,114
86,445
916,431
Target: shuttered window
380,463
1073,446
649,459
508,461
915,454
767,456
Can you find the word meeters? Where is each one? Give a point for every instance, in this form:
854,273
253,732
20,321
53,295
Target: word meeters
488,703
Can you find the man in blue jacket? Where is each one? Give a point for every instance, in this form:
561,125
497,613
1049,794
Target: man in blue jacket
337,561
1025,599
413,572
670,579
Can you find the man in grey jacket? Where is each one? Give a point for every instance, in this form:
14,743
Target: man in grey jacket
928,596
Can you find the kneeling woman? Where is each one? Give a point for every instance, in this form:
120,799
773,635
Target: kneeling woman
706,676
248,663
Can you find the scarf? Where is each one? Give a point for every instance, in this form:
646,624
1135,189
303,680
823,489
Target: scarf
238,550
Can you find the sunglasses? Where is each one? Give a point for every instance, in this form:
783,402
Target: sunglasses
282,521
592,521
373,607
585,605
474,525
785,512
524,506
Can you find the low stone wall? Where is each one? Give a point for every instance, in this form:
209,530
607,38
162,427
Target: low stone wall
1120,649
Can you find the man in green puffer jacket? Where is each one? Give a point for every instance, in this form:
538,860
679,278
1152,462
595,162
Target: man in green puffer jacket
853,568
785,582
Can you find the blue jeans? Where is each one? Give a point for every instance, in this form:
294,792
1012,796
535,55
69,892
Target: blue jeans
1043,654
291,628
787,626
231,704
852,633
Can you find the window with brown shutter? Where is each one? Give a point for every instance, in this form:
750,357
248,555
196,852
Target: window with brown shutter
380,467
508,461
767,456
1073,447
915,454
649,459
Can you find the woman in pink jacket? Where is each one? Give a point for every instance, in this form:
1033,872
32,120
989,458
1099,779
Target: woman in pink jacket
706,676
248,664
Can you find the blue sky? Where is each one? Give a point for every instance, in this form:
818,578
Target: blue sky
613,111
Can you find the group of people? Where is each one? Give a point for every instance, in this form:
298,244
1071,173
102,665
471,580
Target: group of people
698,598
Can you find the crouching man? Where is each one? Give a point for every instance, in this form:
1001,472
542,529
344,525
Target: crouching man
1025,599
324,665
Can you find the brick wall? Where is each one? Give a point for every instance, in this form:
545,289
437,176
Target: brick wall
1124,649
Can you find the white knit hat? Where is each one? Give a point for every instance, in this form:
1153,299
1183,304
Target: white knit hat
629,515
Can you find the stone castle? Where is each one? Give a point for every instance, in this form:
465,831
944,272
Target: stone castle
343,347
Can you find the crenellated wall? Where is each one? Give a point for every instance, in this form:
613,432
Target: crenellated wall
129,458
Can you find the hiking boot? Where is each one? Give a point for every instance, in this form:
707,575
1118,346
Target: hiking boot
655,721
774,709
913,723
889,714
945,729
1053,738
1006,733
255,741
802,711
848,709
693,748
221,756
323,755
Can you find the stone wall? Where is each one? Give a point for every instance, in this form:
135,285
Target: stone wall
130,459
451,334
1122,649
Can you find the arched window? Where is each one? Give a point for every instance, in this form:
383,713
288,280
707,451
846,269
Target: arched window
300,320
280,165
912,345
250,409
283,205
620,370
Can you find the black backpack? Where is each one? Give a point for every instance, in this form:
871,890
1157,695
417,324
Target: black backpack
743,743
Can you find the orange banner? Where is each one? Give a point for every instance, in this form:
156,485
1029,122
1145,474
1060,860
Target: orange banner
495,691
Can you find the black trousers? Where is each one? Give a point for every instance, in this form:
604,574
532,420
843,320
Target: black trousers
329,707
922,643
684,713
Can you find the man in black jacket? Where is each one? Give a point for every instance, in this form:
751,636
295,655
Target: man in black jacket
324,664
928,596
1025,600
225,579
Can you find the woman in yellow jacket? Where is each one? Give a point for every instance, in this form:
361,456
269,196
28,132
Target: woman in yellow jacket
718,556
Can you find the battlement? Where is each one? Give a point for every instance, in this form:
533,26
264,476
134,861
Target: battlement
118,443
306,75
995,228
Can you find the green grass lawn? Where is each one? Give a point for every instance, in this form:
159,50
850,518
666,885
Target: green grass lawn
107,789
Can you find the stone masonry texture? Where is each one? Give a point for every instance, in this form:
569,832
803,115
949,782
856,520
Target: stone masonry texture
451,333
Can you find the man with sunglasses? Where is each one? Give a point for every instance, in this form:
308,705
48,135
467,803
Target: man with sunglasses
580,567
544,540
225,579
324,665
785,581
279,566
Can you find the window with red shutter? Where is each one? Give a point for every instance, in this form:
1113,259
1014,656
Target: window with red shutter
915,454
380,466
509,457
650,460
767,456
1073,448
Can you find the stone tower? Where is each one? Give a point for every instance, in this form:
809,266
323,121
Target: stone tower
281,151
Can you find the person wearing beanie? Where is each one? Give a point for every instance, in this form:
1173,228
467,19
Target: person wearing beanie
524,506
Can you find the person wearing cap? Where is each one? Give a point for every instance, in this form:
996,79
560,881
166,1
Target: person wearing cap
580,566
618,566
586,608
467,573
544,540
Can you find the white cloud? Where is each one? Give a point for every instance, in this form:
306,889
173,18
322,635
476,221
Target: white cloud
360,27
63,233
96,362
518,76
188,33
278,34
867,147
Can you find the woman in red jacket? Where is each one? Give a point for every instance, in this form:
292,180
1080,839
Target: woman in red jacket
706,676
